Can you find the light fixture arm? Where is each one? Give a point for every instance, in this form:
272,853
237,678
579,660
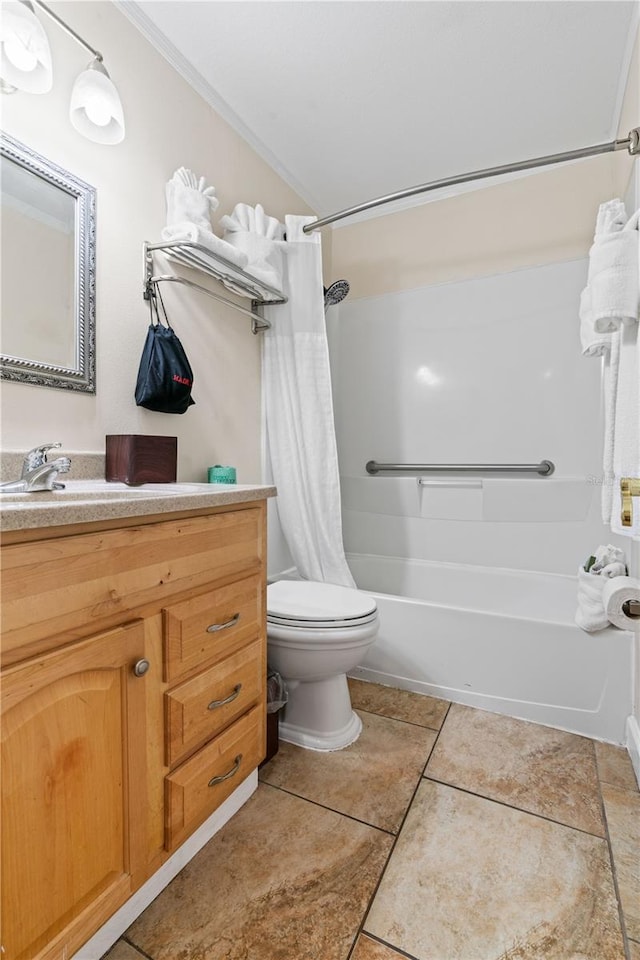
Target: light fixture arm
54,16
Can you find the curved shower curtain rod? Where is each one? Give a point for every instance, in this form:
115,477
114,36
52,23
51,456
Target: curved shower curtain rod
632,143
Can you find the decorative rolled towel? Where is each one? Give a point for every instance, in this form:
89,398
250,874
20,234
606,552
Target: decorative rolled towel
590,615
607,563
248,229
190,200
606,555
594,342
613,269
195,234
616,569
611,217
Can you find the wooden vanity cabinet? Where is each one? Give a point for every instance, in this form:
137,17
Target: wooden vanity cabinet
133,704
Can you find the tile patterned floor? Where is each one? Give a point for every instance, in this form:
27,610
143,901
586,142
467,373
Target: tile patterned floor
444,833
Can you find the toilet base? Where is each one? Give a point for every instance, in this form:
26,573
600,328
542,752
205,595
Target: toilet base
318,715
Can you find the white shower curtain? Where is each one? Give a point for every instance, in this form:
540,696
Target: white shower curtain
299,414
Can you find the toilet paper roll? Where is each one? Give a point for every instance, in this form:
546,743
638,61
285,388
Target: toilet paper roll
616,593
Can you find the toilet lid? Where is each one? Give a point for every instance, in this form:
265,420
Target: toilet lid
306,601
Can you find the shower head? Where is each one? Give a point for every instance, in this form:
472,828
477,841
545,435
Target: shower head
335,293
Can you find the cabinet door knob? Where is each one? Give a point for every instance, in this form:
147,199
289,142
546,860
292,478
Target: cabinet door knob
141,667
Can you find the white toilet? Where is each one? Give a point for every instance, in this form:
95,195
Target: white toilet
316,632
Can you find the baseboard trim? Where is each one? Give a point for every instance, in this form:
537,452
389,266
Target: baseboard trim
633,744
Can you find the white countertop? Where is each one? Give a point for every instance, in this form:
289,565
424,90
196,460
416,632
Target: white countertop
86,501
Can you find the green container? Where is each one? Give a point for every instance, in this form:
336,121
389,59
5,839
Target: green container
220,474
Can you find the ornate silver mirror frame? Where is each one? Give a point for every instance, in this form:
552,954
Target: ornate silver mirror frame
75,368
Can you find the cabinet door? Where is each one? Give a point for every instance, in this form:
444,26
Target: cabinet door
73,791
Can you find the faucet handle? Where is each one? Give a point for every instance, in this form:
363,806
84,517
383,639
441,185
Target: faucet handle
37,456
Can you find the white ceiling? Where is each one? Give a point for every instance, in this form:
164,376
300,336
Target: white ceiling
353,99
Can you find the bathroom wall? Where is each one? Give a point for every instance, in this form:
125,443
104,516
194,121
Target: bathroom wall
543,217
168,125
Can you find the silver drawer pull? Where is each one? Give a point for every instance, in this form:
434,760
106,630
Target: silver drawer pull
214,627
232,696
231,773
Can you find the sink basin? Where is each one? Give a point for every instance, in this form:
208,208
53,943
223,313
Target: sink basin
88,490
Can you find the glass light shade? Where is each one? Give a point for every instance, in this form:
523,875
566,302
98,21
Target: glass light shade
96,110
25,56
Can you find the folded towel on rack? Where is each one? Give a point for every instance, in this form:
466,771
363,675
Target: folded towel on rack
253,220
195,234
190,200
613,269
250,230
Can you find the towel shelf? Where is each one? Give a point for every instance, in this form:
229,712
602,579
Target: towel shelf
200,258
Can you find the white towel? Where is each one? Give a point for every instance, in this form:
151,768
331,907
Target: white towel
195,234
611,217
591,615
606,345
613,279
609,303
594,342
190,200
606,555
614,282
626,453
253,220
250,230
609,562
626,447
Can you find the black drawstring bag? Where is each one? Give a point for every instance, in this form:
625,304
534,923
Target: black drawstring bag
165,377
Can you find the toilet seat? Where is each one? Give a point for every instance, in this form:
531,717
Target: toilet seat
323,606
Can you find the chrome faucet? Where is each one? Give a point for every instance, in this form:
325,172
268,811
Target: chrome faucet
36,457
38,473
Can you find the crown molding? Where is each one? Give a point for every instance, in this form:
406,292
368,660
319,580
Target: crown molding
133,12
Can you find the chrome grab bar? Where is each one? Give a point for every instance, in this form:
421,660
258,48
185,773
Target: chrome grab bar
544,469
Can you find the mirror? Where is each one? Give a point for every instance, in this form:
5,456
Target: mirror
47,272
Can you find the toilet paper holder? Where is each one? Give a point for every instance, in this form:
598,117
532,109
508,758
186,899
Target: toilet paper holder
631,608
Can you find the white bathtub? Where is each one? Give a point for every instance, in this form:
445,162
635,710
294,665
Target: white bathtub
502,640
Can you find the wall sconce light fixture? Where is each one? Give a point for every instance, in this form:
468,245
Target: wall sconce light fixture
25,64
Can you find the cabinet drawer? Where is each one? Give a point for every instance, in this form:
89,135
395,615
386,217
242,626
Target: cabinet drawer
70,584
200,708
205,629
201,784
